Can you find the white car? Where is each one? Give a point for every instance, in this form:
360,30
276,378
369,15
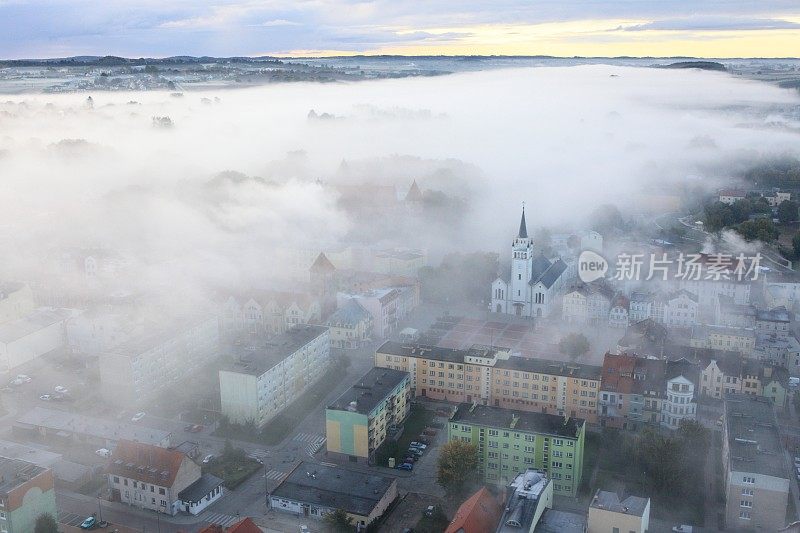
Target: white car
138,416
45,397
683,528
103,452
208,458
24,378
61,390
304,529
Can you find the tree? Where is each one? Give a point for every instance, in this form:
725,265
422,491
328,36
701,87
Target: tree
45,523
787,211
796,244
574,345
339,521
457,467
761,229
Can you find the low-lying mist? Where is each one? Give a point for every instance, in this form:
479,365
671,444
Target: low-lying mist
213,194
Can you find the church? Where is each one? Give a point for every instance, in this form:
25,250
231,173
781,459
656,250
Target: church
533,283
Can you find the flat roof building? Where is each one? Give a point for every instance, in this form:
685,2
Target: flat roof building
256,387
358,421
609,512
756,477
26,491
315,490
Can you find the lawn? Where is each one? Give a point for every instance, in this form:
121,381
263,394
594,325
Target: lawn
417,421
233,470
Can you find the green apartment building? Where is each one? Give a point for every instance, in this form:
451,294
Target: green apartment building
512,441
358,421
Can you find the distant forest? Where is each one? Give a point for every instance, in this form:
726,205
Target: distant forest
783,172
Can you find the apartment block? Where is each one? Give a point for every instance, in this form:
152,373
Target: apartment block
755,471
510,442
492,376
356,423
147,364
258,386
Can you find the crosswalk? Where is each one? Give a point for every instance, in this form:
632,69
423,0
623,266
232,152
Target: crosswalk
274,474
218,518
314,442
259,454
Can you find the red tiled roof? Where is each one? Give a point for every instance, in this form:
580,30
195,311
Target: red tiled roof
246,525
480,513
144,462
618,372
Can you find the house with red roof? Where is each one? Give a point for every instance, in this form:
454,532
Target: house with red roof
478,514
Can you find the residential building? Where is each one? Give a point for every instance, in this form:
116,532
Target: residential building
681,401
742,340
492,376
27,338
155,478
388,306
267,313
314,490
619,314
534,282
728,312
26,492
730,373
16,301
356,424
678,309
478,514
258,386
97,330
151,362
780,351
755,472
731,196
774,322
610,513
641,306
528,497
588,303
53,425
510,441
351,326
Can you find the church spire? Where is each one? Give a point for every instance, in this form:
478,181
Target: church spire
523,230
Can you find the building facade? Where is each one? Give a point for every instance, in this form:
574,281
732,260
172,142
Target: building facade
351,326
356,424
26,492
259,386
492,376
510,442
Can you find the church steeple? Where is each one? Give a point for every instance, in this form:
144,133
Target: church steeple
523,229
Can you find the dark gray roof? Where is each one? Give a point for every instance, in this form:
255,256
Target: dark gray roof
753,437
546,366
779,314
523,229
334,488
539,265
350,314
427,351
277,349
200,488
550,275
370,390
522,421
610,501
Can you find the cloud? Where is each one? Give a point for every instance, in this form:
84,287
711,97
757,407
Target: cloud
279,22
714,24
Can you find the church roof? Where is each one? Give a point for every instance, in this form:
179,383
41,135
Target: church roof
523,229
322,264
549,276
539,266
414,193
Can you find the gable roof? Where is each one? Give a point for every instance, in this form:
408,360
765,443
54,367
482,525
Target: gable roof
350,313
246,525
144,462
523,229
478,514
414,193
322,264
552,274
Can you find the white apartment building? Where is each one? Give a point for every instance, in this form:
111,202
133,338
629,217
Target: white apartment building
680,403
150,362
258,386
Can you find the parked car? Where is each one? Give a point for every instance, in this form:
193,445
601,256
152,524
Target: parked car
304,529
45,397
60,389
405,466
138,416
208,458
193,428
683,528
89,523
24,378
429,511
415,452
418,445
410,459
103,452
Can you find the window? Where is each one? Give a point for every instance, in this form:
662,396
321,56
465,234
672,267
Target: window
161,491
750,480
744,515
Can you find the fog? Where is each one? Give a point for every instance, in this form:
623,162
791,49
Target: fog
563,140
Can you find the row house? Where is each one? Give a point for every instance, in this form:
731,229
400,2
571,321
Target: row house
637,390
742,340
492,376
676,309
588,303
388,306
775,321
351,326
267,313
730,373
